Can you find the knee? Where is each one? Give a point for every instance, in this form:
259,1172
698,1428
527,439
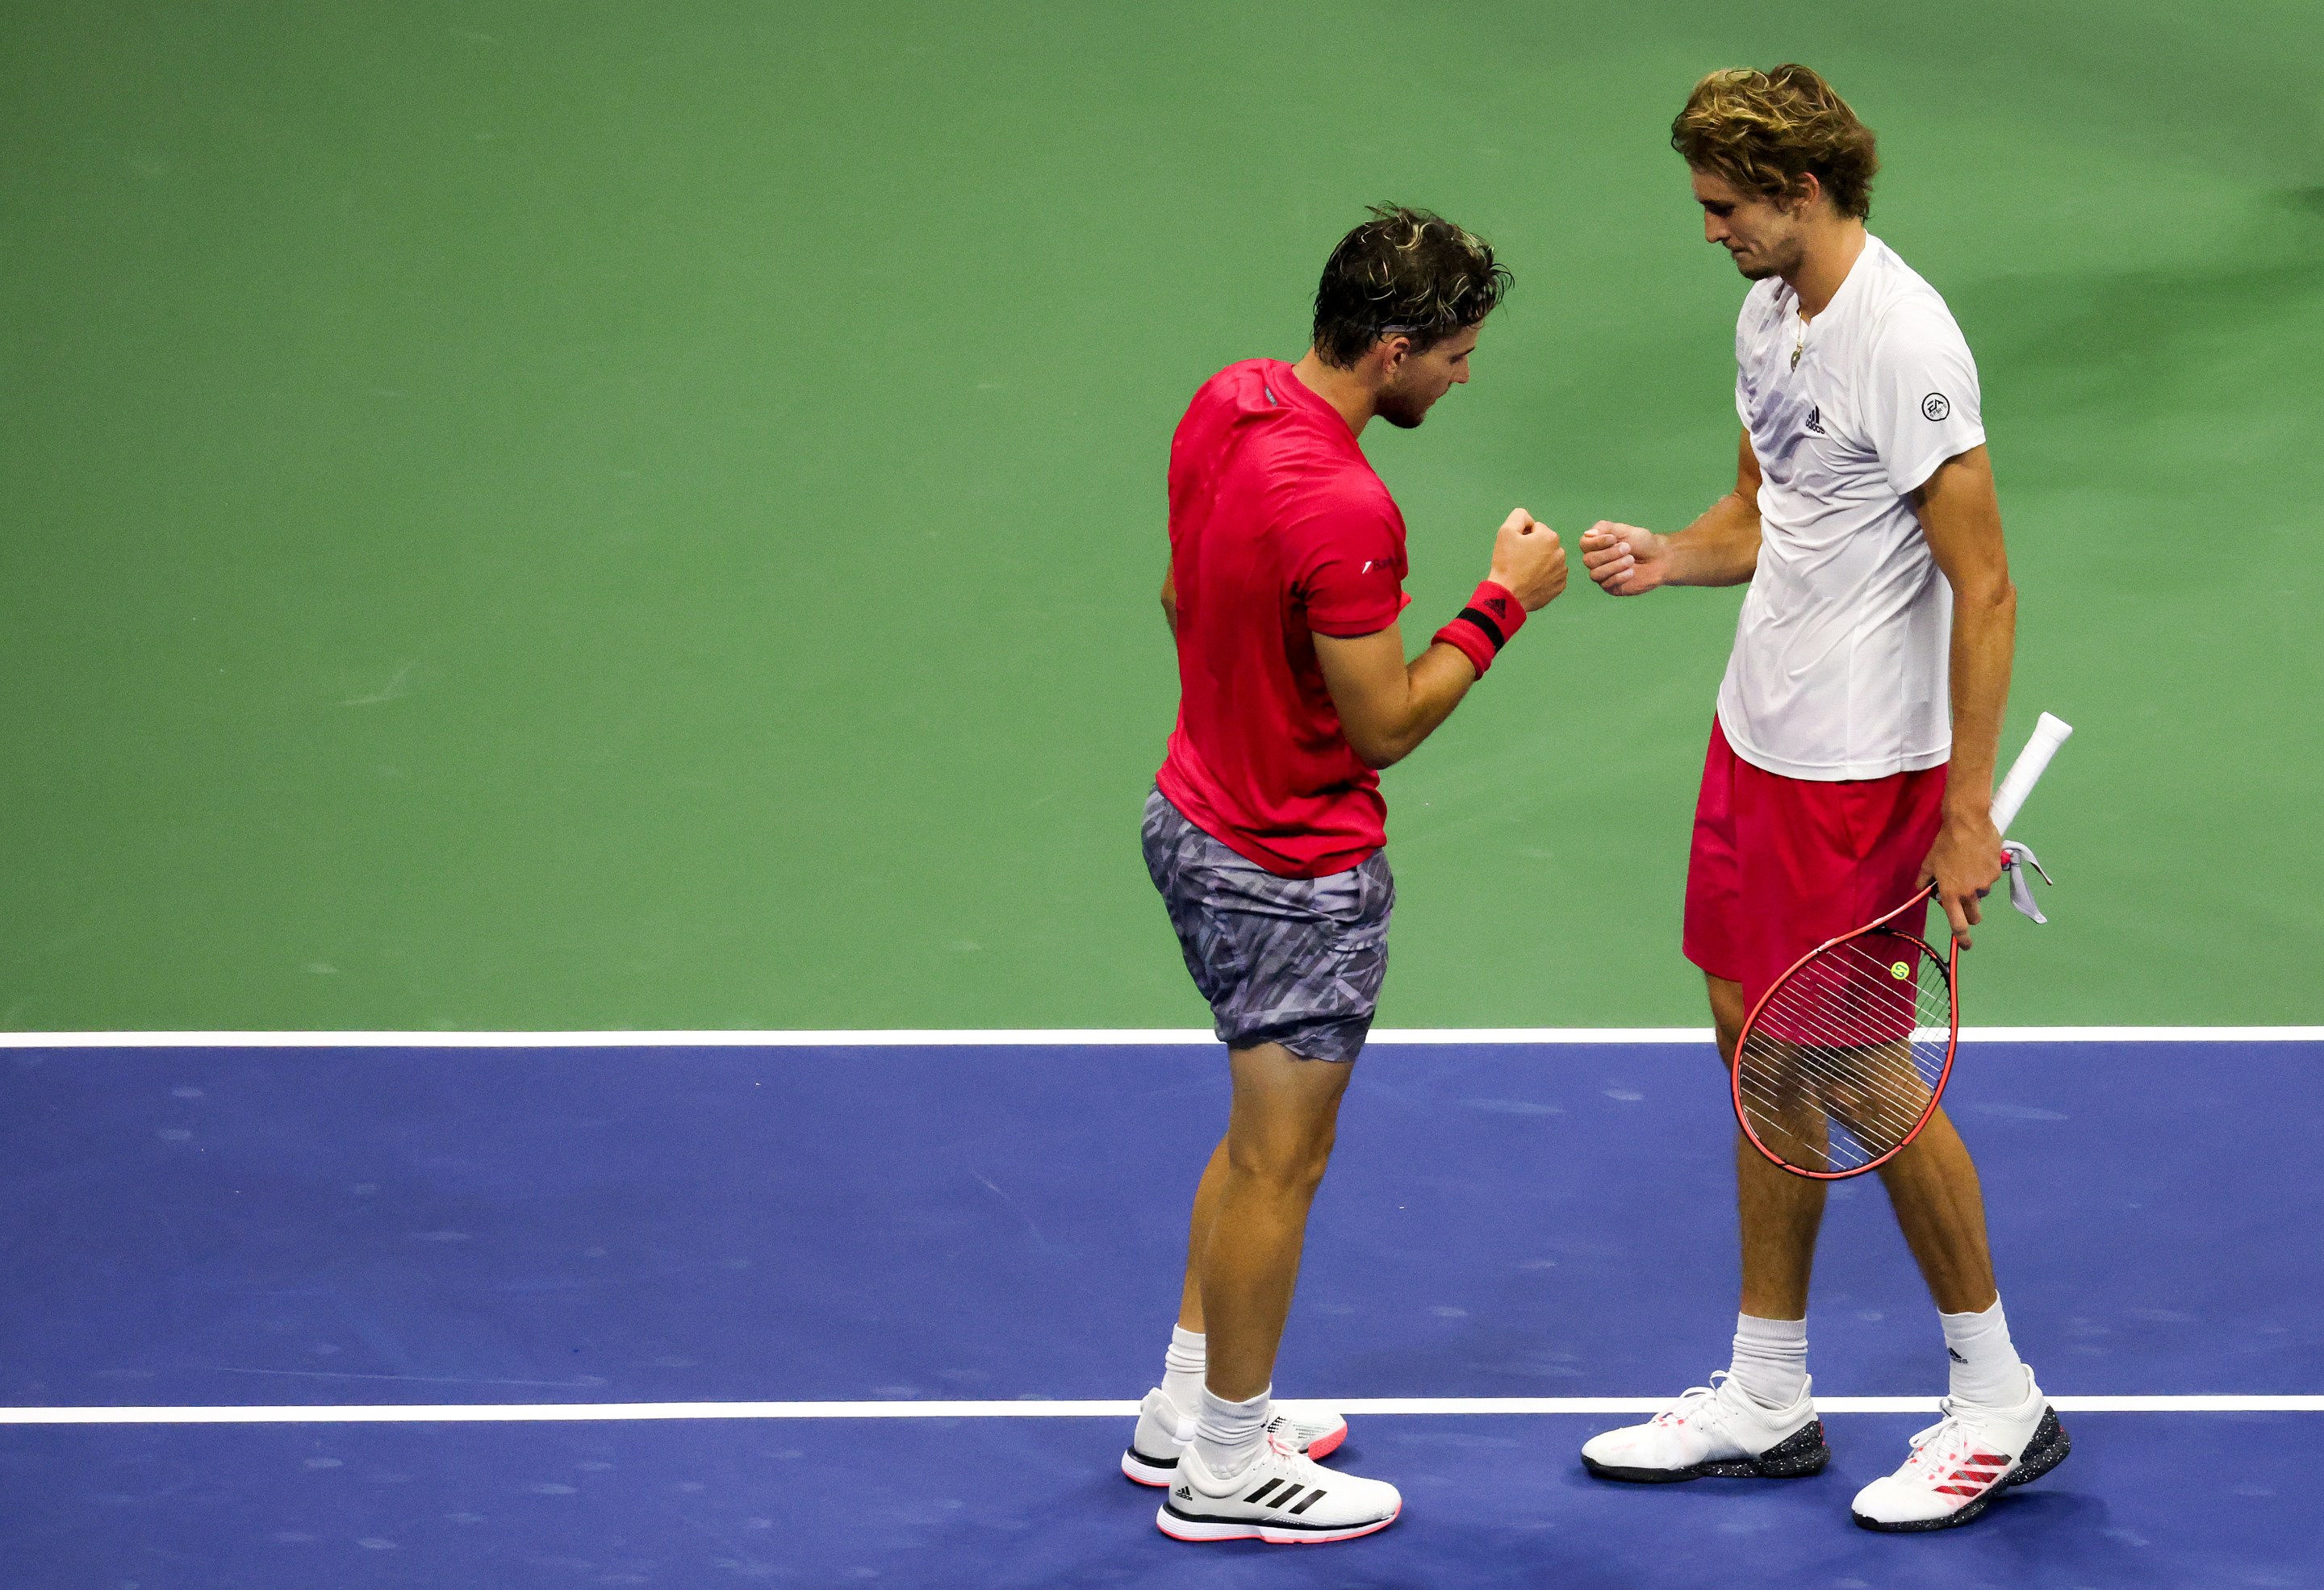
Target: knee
1283,1166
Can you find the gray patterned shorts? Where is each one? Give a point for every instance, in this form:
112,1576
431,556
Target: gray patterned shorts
1291,960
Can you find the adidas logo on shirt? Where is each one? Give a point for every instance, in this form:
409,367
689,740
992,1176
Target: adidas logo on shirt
1815,421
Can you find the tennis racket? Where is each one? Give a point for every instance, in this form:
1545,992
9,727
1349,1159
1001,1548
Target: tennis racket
1842,1062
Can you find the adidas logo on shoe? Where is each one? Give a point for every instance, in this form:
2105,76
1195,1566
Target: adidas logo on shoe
1276,1498
1960,1464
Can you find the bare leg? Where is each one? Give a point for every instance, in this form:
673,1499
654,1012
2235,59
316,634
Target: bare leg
1934,1187
1260,1183
1780,1213
1198,1237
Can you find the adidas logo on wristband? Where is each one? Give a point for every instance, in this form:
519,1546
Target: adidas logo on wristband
1481,629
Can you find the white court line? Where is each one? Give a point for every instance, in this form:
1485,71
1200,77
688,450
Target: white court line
1051,1037
563,1412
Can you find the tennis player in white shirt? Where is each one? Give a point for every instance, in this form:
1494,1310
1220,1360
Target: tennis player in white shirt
1851,756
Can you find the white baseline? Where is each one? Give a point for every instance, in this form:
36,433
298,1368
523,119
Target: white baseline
1048,1037
561,1412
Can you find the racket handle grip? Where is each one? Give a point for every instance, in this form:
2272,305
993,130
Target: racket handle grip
2026,771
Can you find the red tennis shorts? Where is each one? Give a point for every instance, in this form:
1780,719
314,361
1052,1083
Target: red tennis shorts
1780,865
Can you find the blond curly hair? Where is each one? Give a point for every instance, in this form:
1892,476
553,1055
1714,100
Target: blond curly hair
1763,130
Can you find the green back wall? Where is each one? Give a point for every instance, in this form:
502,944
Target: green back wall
595,515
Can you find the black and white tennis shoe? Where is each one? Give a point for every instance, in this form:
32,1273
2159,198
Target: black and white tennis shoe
1714,1431
1282,1497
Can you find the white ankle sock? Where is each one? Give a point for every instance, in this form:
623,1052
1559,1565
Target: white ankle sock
1229,1435
1987,1371
1182,1369
1771,1359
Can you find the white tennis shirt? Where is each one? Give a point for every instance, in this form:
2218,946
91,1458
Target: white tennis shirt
1841,662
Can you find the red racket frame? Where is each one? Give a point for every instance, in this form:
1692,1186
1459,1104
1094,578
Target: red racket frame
1952,1039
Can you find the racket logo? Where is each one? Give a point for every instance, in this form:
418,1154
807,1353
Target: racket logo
1899,970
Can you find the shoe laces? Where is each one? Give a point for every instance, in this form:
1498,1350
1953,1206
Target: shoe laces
1938,1449
1691,1400
1279,1440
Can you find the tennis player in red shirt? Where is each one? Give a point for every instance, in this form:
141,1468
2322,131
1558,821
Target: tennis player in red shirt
1265,829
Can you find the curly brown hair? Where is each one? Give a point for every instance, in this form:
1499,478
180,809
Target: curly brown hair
1763,130
1404,273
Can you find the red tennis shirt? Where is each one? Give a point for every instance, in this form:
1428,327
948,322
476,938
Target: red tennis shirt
1280,531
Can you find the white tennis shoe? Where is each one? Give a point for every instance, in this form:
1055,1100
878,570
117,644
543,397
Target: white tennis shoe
1961,1463
1281,1497
1714,1430
1163,1432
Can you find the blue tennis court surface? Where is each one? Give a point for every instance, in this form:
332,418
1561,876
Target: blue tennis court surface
210,1226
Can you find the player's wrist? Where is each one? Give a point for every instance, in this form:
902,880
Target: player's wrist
1967,805
1488,622
1663,556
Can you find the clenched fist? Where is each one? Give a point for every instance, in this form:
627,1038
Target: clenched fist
1529,561
1625,560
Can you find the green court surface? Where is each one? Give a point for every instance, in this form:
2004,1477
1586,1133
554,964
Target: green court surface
591,516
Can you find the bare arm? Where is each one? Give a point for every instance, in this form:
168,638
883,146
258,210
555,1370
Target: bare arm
1721,547
1387,706
1961,519
1170,600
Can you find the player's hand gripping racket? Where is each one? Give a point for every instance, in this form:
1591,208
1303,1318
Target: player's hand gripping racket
1841,1064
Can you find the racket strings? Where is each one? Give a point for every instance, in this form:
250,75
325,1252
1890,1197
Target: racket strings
1835,1119
1838,1012
1841,1023
1843,1061
1869,1057
1810,1128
